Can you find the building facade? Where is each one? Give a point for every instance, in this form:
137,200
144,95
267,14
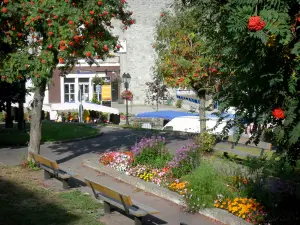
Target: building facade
136,57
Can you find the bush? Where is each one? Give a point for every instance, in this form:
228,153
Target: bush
206,142
2,117
275,184
179,103
186,159
204,185
151,151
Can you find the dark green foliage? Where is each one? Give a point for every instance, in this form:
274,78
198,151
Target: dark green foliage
261,69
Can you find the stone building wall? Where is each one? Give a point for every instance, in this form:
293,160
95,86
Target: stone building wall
140,56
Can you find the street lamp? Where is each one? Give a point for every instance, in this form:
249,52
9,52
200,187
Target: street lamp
126,80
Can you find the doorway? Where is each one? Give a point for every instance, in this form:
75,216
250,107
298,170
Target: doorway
83,86
115,90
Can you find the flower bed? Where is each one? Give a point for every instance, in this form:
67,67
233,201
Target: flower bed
246,208
199,184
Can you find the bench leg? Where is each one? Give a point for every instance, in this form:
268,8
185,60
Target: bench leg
107,208
47,175
138,220
65,184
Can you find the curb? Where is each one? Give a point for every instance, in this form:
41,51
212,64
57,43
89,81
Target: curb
212,213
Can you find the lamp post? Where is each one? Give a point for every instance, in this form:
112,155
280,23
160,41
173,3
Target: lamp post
126,80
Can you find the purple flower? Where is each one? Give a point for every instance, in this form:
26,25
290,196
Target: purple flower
147,143
182,154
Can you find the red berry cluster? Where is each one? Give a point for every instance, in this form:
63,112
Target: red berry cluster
255,23
278,113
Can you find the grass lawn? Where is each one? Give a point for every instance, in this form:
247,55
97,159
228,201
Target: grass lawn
50,132
23,201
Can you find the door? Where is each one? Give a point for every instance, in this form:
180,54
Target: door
115,91
84,89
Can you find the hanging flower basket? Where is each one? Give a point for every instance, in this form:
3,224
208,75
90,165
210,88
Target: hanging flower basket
127,95
97,80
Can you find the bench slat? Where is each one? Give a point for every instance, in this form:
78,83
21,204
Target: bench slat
146,208
109,192
60,173
132,210
43,160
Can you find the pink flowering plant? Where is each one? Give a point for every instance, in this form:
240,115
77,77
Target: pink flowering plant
186,159
120,161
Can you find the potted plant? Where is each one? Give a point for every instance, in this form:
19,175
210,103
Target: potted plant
97,80
127,95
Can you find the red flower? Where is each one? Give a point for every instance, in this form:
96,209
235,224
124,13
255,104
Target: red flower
123,1
278,113
92,12
61,60
88,54
255,23
99,3
105,48
4,10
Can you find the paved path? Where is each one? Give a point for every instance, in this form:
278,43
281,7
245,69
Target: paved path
70,155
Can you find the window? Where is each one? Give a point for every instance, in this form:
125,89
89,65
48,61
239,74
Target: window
69,89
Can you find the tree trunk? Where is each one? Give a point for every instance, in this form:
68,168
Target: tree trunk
36,119
8,120
202,114
21,124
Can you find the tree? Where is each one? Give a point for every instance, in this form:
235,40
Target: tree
40,34
156,92
182,57
258,42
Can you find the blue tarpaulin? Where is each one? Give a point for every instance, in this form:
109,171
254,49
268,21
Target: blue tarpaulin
169,114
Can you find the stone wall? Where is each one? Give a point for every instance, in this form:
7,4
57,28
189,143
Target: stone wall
140,56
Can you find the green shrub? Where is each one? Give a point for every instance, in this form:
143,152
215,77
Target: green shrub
2,117
186,159
206,142
151,151
179,103
103,117
204,185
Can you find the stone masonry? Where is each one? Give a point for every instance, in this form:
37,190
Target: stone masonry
140,57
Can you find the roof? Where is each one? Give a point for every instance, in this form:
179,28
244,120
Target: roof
168,114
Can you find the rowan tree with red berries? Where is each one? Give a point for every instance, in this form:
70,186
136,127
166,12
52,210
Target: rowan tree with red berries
182,59
38,35
258,42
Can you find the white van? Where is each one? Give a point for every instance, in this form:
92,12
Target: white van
191,124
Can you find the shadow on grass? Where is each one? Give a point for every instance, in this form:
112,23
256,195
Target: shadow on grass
21,206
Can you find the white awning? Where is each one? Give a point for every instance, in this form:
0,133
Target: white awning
100,108
74,107
70,107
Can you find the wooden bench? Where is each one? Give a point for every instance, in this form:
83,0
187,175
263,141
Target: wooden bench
121,201
52,169
261,145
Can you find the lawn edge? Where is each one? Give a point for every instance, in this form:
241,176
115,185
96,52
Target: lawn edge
212,213
60,142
